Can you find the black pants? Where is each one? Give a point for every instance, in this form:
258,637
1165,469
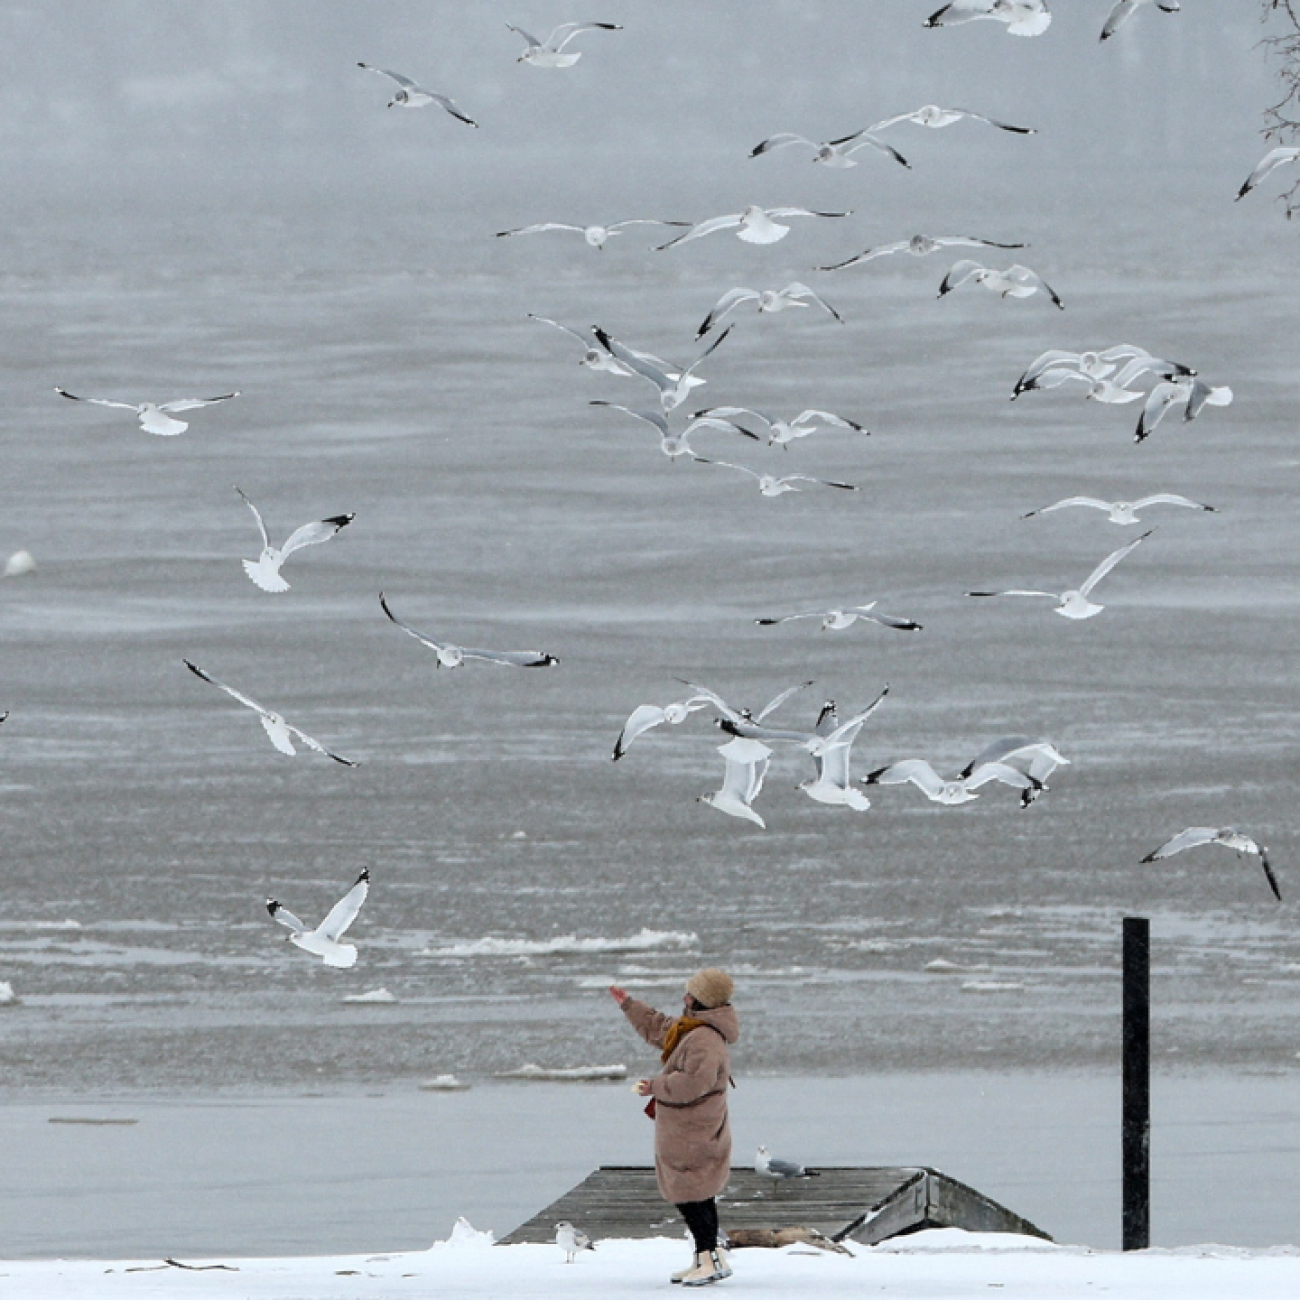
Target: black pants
702,1219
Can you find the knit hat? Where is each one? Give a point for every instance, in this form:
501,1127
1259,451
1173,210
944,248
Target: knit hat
710,987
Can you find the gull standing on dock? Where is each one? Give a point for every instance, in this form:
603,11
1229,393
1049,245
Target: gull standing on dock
918,246
830,153
409,95
550,52
155,417
281,734
1229,836
754,225
265,570
452,656
774,1168
323,941
1075,603
571,1240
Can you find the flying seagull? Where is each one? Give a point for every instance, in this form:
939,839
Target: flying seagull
1274,158
829,733
754,225
323,941
675,444
596,356
956,790
674,386
1123,512
773,1168
596,236
1036,758
571,1240
742,780
409,95
934,117
1075,603
1125,9
1229,836
281,734
1015,282
1193,392
770,485
830,153
550,52
645,716
795,294
155,417
265,570
1098,365
831,782
918,246
745,715
834,620
1022,17
783,432
452,656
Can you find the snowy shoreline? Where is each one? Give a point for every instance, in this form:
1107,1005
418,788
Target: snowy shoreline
945,1263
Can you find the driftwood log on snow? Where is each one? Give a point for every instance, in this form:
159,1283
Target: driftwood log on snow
740,1238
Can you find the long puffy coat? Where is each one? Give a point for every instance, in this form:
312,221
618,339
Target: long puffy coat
692,1133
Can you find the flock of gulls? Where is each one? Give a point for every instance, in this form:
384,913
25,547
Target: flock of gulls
1117,374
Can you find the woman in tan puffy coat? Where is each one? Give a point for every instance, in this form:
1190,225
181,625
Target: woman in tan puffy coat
688,1102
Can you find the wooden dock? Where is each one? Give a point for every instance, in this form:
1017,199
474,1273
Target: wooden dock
860,1204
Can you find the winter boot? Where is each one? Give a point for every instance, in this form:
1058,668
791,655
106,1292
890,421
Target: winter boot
713,1267
690,1268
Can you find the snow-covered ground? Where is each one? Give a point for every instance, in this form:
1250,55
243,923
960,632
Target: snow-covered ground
948,1264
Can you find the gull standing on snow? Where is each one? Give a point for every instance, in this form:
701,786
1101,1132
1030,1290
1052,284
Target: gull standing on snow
675,444
795,294
754,225
1229,836
1123,512
783,432
1022,17
571,1240
830,153
1075,603
773,1168
770,485
265,570
1125,9
1016,281
550,52
918,246
281,734
934,117
834,620
674,386
409,95
596,236
645,716
452,656
1195,393
1274,158
323,941
155,417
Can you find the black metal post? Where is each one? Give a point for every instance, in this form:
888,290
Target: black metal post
1136,1133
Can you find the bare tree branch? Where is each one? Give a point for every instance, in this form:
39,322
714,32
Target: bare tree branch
1282,119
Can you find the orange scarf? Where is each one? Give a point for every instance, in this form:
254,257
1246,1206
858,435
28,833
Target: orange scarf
677,1031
